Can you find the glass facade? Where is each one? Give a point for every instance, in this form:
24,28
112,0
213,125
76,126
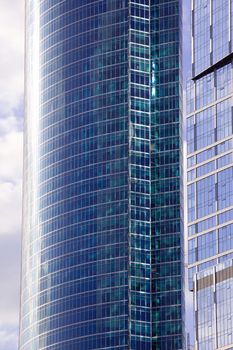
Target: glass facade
166,173
212,32
102,225
210,173
213,299
209,137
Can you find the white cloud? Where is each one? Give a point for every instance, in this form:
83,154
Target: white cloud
8,339
9,123
10,276
10,218
10,208
11,58
11,152
11,146
11,111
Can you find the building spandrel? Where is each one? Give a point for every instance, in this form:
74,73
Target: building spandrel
213,294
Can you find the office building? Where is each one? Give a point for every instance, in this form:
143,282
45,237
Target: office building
102,219
209,148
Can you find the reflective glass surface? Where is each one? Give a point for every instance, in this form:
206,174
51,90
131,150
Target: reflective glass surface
209,135
212,32
75,266
102,232
201,25
166,187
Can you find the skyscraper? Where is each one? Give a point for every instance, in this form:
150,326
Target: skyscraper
102,222
210,164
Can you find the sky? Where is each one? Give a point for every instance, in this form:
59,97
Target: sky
11,146
11,136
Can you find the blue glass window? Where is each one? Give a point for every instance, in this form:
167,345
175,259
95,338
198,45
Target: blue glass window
206,245
192,249
220,17
190,135
204,155
205,128
191,202
226,216
206,168
225,238
224,119
202,35
206,196
225,188
224,81
205,90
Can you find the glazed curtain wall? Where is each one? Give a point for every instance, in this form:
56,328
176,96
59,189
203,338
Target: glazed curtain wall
102,224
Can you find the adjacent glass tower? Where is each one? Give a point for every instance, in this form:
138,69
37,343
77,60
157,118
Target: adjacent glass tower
209,136
210,163
102,248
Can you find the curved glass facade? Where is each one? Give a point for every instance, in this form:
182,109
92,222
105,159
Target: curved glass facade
89,278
